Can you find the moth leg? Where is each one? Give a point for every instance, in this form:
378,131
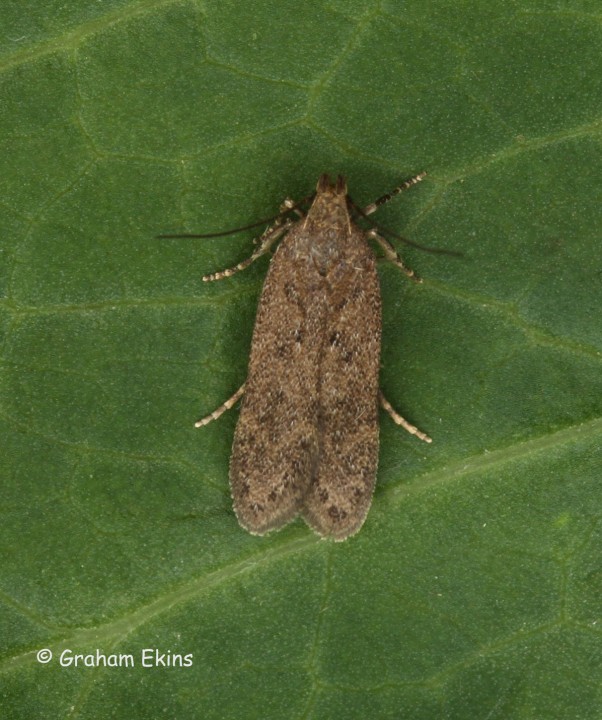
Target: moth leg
289,204
398,420
369,209
286,205
266,241
392,255
222,408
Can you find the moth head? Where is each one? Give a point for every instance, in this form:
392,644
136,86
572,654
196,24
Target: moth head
329,213
337,188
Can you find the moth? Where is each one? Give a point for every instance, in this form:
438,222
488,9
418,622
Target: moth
307,439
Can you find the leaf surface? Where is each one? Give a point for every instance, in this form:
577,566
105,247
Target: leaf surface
474,589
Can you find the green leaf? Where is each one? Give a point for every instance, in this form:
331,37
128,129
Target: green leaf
474,589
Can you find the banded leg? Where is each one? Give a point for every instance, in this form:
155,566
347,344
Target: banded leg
398,420
369,209
285,206
289,204
266,241
392,255
222,408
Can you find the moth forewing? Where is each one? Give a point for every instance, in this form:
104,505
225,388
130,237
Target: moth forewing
341,489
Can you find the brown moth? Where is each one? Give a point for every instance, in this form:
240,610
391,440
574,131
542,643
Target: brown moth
306,442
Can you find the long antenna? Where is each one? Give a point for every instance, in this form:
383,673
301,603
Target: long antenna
391,233
265,221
